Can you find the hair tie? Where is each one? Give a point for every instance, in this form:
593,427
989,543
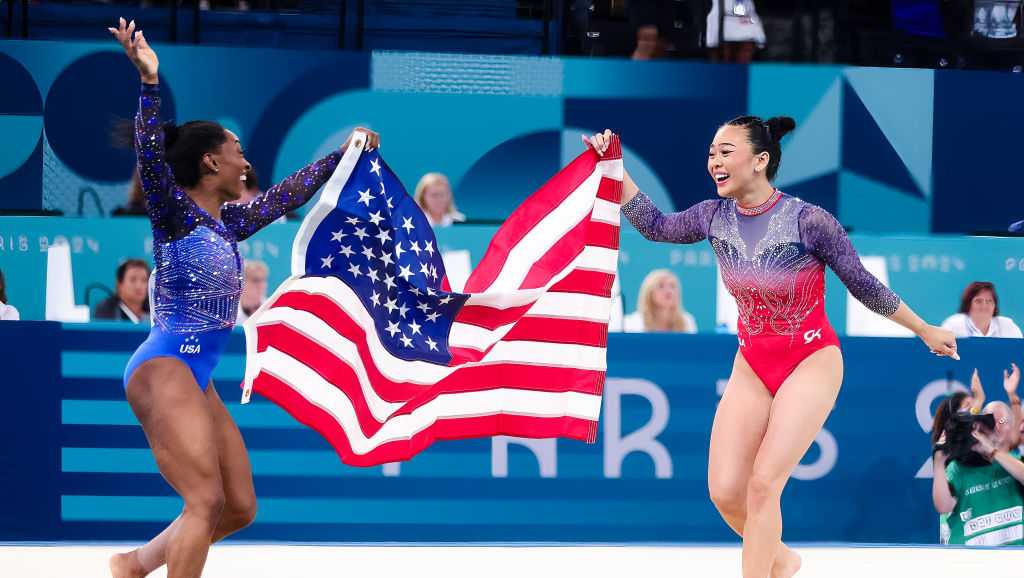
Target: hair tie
768,130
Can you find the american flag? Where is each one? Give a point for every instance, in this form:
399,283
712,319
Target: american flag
366,344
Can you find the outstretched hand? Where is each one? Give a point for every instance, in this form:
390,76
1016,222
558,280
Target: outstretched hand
1011,379
940,341
137,49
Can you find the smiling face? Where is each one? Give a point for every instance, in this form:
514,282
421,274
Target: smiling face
665,294
229,165
134,287
732,163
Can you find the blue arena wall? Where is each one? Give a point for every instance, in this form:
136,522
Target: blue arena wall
74,464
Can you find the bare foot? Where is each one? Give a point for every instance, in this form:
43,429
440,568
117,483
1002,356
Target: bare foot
126,566
786,564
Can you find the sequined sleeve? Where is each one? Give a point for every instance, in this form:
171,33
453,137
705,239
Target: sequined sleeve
689,226
166,204
291,193
826,239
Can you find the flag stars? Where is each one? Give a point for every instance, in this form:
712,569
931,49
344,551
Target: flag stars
393,328
425,270
431,344
405,341
365,197
338,235
433,316
354,270
414,327
415,247
346,251
375,167
399,250
389,281
422,306
375,298
385,258
372,274
361,233
375,218
352,220
384,235
445,300
391,305
428,246
368,253
403,310
407,224
405,272
325,262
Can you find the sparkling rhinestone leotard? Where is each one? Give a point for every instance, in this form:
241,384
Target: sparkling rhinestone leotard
773,264
197,278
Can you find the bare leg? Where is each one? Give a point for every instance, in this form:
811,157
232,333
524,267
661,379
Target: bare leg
740,423
800,409
240,496
179,425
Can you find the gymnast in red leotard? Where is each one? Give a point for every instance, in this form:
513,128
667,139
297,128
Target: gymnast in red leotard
772,250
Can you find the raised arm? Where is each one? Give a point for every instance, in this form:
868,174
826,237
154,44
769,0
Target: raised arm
825,238
942,496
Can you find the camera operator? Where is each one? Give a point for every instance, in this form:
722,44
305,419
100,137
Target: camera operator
981,491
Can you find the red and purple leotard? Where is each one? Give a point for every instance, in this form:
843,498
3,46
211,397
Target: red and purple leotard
772,260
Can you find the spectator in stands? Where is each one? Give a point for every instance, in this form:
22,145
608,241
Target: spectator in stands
982,495
434,196
742,27
667,26
959,401
979,314
7,312
136,205
130,301
659,306
254,289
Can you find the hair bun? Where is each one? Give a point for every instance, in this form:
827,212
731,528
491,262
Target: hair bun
170,134
780,126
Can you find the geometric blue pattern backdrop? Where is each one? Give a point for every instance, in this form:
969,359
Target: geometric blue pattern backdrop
887,150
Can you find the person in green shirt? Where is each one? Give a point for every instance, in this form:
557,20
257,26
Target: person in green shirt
984,502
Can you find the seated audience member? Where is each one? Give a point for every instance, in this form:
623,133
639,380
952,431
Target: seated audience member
254,289
434,196
7,312
130,301
659,306
979,314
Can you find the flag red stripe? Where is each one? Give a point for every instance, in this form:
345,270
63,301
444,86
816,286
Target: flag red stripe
526,217
446,429
490,317
609,190
597,283
603,235
552,330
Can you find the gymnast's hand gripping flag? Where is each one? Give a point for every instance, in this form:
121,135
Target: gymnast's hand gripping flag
365,343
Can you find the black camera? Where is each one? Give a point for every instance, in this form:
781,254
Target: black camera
959,441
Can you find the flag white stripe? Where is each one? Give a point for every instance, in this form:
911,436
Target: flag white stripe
323,394
539,240
606,212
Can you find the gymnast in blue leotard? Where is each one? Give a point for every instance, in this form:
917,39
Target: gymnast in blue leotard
188,174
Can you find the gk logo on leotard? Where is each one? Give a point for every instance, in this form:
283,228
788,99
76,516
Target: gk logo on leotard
191,345
811,335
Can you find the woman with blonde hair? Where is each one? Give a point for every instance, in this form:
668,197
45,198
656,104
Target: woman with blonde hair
659,306
434,196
